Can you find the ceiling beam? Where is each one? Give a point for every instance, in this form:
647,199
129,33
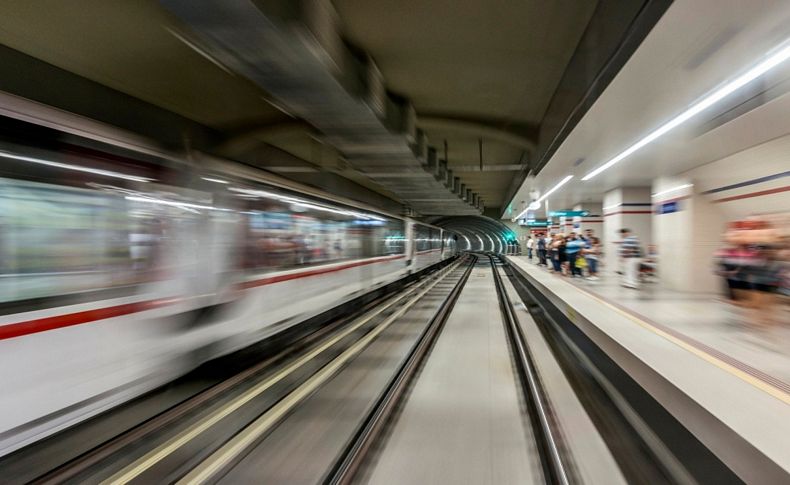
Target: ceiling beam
477,130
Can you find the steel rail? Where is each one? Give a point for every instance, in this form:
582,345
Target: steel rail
82,463
374,424
534,393
226,456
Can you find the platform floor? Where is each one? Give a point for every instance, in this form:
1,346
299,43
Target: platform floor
703,318
727,382
463,421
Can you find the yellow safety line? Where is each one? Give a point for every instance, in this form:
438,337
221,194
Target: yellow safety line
759,384
148,460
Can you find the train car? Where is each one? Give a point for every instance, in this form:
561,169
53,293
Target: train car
427,246
122,268
450,247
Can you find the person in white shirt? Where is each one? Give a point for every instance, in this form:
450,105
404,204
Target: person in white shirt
631,254
530,245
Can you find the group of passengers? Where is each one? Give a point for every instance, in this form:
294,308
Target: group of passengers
570,255
755,265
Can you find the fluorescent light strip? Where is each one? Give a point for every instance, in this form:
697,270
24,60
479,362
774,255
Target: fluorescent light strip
493,247
172,203
76,168
546,195
302,203
772,61
218,181
673,189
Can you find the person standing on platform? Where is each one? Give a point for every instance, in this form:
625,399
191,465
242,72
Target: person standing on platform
591,253
541,250
530,245
631,254
561,258
573,250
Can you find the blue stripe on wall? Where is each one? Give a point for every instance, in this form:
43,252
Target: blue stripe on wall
749,182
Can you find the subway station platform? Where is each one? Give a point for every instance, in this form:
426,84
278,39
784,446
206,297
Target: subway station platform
726,382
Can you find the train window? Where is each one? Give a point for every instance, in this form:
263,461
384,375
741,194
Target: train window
57,240
436,239
284,231
390,238
422,238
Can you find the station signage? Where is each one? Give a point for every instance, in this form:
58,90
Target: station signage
569,213
536,223
668,207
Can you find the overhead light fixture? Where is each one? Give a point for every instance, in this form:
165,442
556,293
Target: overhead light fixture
673,189
493,248
218,181
173,203
534,205
76,168
773,60
301,203
545,196
468,242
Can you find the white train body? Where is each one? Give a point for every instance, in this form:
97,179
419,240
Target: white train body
120,271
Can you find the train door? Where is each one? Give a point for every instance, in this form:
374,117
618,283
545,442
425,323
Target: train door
410,245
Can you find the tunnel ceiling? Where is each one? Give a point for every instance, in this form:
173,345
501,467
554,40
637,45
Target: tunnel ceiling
487,228
442,105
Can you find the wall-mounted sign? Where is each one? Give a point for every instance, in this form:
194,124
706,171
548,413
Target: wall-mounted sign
668,207
569,213
536,223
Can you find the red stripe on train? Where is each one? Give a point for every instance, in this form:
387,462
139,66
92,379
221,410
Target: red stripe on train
315,272
21,329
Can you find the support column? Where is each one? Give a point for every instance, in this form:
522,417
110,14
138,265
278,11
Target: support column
625,207
687,230
593,222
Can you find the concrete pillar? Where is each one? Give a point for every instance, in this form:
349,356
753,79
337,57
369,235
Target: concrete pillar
687,229
594,221
565,225
625,207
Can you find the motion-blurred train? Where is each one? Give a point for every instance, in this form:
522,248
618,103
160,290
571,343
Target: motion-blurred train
107,249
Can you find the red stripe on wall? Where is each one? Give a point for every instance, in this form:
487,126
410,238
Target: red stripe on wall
754,194
70,319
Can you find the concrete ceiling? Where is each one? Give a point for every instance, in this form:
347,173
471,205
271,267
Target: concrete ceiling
695,47
132,46
358,88
492,64
493,60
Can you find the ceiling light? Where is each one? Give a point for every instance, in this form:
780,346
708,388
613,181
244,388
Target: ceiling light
775,59
76,168
545,196
302,203
673,189
218,181
172,203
